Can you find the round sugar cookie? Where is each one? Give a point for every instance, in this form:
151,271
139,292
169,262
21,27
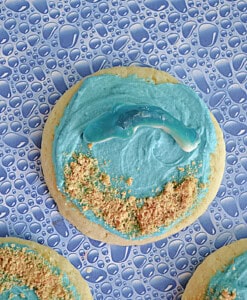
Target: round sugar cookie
75,215
32,271
217,262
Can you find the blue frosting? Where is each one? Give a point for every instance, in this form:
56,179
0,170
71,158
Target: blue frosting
150,156
232,278
17,292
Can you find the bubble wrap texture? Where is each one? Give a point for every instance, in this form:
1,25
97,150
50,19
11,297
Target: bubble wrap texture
45,48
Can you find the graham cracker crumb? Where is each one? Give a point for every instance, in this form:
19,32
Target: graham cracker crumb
166,207
202,185
129,181
226,295
105,179
85,182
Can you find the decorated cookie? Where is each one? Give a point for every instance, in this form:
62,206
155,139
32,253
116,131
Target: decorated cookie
222,275
131,156
31,271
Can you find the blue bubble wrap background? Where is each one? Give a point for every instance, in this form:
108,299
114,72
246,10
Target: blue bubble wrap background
45,48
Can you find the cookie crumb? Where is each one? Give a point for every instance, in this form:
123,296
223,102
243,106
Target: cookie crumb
105,179
226,295
166,207
129,181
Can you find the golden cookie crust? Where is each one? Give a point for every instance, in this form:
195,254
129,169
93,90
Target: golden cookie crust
72,213
56,260
197,286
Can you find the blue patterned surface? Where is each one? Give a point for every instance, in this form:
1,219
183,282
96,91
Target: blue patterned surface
45,48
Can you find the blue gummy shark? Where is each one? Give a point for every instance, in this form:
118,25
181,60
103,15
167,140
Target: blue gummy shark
124,119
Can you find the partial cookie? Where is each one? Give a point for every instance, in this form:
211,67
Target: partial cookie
182,198
31,271
222,275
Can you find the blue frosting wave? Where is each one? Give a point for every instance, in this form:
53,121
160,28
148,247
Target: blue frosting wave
151,157
232,279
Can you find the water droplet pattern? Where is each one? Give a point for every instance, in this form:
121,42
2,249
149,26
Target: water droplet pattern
45,48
